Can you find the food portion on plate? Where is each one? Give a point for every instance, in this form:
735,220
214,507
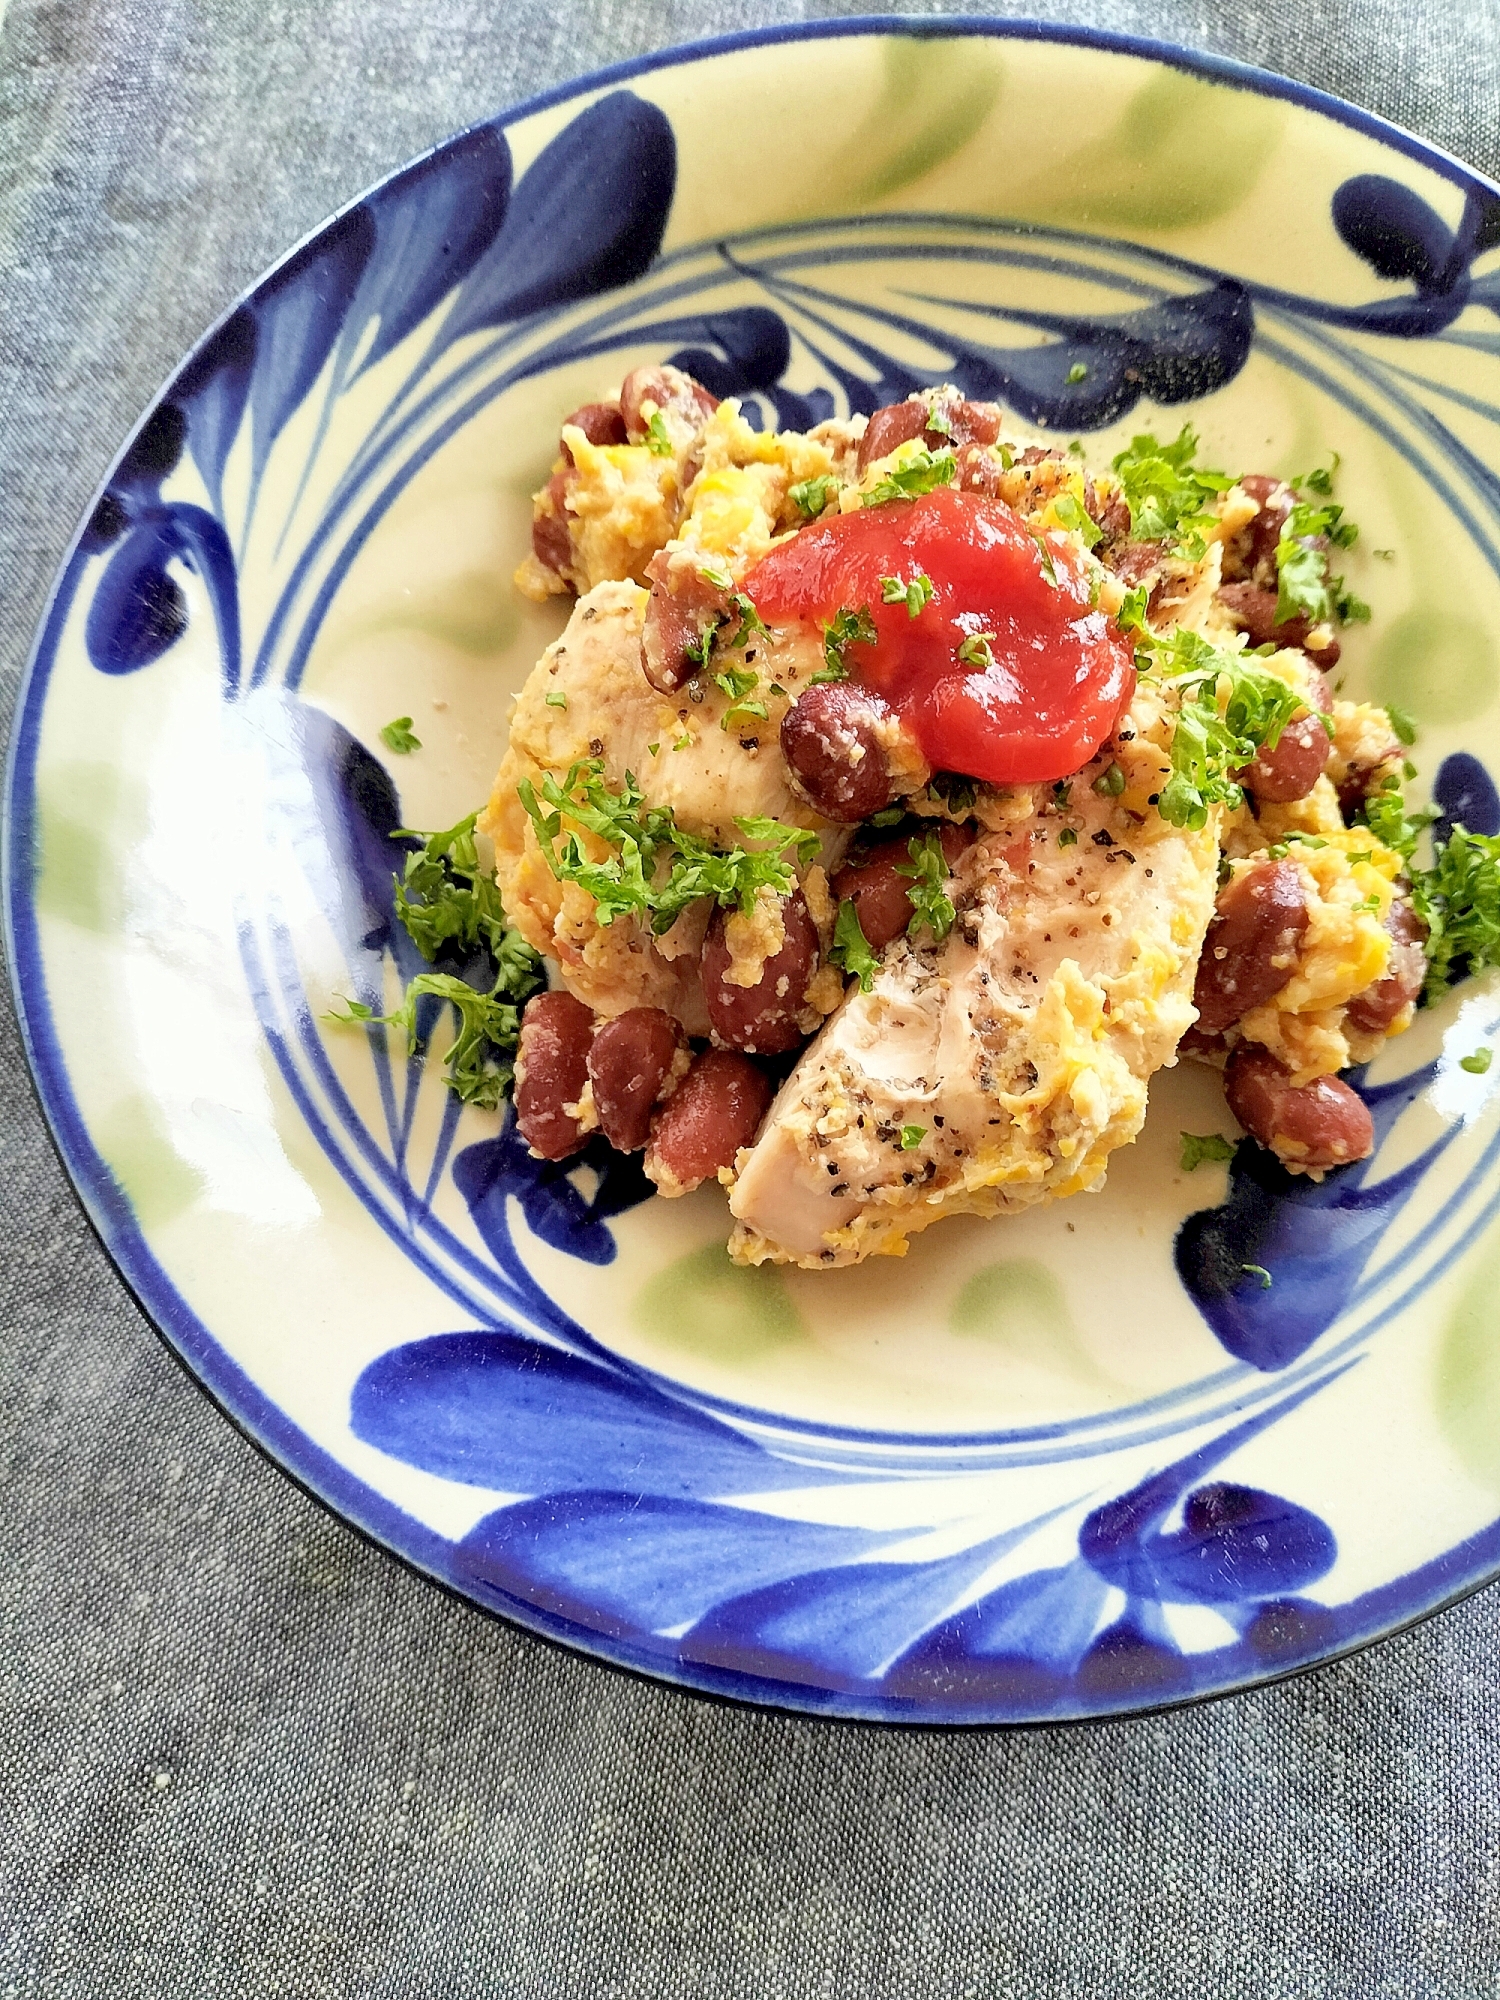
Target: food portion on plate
902,795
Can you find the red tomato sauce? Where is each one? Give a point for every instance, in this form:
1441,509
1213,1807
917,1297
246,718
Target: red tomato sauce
1061,673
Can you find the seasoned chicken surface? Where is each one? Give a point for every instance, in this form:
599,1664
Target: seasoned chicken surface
1003,1066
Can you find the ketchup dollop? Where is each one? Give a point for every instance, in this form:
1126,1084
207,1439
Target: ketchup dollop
1059,675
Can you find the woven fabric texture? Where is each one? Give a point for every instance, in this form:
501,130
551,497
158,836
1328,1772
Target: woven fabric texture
243,1753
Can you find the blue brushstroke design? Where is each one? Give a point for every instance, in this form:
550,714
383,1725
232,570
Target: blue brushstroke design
587,216
1465,795
628,1562
494,1171
498,1409
1313,1237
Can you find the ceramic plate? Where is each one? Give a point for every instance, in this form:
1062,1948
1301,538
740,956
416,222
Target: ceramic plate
1066,1464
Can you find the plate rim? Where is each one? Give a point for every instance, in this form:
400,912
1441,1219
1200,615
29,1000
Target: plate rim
229,1388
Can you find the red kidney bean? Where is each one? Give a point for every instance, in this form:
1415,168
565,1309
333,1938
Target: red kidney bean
716,1109
671,390
830,738
1276,500
683,605
978,472
1251,947
879,893
1405,971
1110,516
601,423
896,423
550,541
761,1019
1292,769
1317,1125
629,1060
552,1067
1254,611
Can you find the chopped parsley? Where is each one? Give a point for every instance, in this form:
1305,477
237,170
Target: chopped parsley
653,869
1304,586
916,595
975,650
1067,838
1131,616
737,683
1200,1146
1320,479
1110,783
1477,1063
937,421
1230,710
811,496
927,871
1168,494
920,473
657,440
751,624
1069,512
1049,567
557,699
851,950
1079,372
1259,1271
397,736
444,898
1384,813
912,1137
849,628
1458,898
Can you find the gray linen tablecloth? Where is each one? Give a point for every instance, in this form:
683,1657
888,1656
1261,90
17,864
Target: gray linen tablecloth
243,1753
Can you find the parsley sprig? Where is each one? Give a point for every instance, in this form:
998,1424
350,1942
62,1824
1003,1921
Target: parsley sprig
922,472
847,628
1304,584
446,900
1458,898
927,871
653,869
916,595
851,951
811,496
1167,493
1229,709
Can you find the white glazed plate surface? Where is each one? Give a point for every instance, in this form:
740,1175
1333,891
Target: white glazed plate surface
1066,1464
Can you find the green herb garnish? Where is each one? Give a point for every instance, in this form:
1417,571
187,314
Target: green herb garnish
851,950
653,869
1078,372
1259,1271
916,595
811,496
1167,494
927,871
975,650
1478,1063
1458,898
444,897
920,473
1110,783
1304,586
849,628
912,1137
397,736
557,699
1212,738
1068,511
1200,1146
657,440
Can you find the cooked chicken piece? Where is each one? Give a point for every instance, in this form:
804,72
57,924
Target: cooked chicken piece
588,698
1001,1067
